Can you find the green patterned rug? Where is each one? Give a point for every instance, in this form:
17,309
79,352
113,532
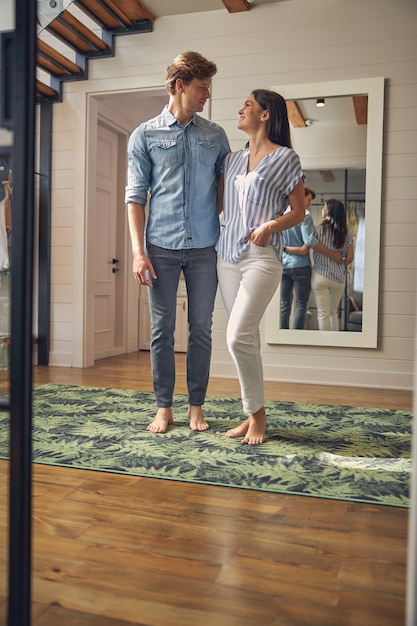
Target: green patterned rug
340,452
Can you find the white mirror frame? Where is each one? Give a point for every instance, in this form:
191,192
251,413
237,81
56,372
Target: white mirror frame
368,337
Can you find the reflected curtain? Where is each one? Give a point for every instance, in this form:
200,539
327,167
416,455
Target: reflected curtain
355,216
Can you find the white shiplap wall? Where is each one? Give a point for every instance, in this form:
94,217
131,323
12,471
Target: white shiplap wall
281,43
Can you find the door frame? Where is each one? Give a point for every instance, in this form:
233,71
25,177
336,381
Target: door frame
97,112
96,115
117,229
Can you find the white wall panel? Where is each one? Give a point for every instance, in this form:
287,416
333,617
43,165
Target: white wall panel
61,275
63,236
62,294
61,312
403,235
61,259
395,303
401,141
393,282
61,331
63,215
401,212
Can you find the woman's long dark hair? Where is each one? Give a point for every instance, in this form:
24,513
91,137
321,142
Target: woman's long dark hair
278,125
336,221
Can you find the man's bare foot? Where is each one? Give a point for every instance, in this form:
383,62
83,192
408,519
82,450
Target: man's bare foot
252,429
196,417
162,420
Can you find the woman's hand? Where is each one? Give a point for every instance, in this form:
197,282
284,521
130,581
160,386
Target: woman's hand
259,236
337,257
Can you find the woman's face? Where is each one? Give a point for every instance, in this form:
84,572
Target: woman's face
251,115
324,211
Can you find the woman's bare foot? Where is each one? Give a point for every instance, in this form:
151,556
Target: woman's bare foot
196,417
162,420
252,429
239,431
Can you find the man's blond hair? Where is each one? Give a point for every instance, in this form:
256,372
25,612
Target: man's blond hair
187,66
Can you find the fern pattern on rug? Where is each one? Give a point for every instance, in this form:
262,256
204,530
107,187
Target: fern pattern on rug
340,452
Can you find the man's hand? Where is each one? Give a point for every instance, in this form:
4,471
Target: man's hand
142,265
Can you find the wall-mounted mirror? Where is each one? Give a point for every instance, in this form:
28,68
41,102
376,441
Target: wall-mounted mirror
340,146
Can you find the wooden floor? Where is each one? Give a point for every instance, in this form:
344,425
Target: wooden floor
111,550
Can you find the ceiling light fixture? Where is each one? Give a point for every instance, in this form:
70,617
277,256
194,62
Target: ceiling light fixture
320,102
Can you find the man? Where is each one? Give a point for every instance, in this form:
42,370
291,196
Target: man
296,261
176,160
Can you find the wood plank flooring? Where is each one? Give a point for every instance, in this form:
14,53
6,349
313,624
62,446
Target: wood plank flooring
114,550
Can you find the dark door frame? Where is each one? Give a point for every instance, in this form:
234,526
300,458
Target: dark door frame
21,361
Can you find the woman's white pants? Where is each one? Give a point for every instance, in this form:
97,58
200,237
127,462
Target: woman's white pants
247,288
327,294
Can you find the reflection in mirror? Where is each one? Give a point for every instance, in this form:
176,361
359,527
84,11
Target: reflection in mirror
340,146
348,186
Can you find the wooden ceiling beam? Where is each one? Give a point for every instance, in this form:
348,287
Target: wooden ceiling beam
294,114
236,6
327,176
360,106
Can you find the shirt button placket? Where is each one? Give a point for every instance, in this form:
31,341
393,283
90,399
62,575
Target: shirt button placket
187,187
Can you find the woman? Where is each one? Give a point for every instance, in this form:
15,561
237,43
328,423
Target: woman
328,277
260,182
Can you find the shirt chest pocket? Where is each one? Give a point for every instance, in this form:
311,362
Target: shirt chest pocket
207,151
254,191
165,152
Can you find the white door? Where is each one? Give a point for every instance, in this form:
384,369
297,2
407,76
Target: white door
106,262
112,302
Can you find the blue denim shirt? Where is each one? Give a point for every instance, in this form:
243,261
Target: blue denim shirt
297,236
180,166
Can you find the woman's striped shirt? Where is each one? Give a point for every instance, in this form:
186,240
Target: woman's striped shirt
255,197
324,265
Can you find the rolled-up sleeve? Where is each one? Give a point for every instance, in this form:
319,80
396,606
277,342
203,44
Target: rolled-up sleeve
308,232
139,168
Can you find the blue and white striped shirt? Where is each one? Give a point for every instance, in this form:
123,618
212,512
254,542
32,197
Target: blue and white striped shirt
324,265
255,197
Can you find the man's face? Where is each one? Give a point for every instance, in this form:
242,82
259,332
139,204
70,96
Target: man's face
195,94
308,200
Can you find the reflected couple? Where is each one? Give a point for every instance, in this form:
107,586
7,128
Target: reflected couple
315,262
340,146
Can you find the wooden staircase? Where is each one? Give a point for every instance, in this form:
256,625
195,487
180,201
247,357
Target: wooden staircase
123,18
113,17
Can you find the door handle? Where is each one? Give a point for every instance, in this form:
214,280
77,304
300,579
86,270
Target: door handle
113,261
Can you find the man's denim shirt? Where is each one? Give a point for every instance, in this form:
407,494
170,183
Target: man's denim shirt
180,167
297,236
